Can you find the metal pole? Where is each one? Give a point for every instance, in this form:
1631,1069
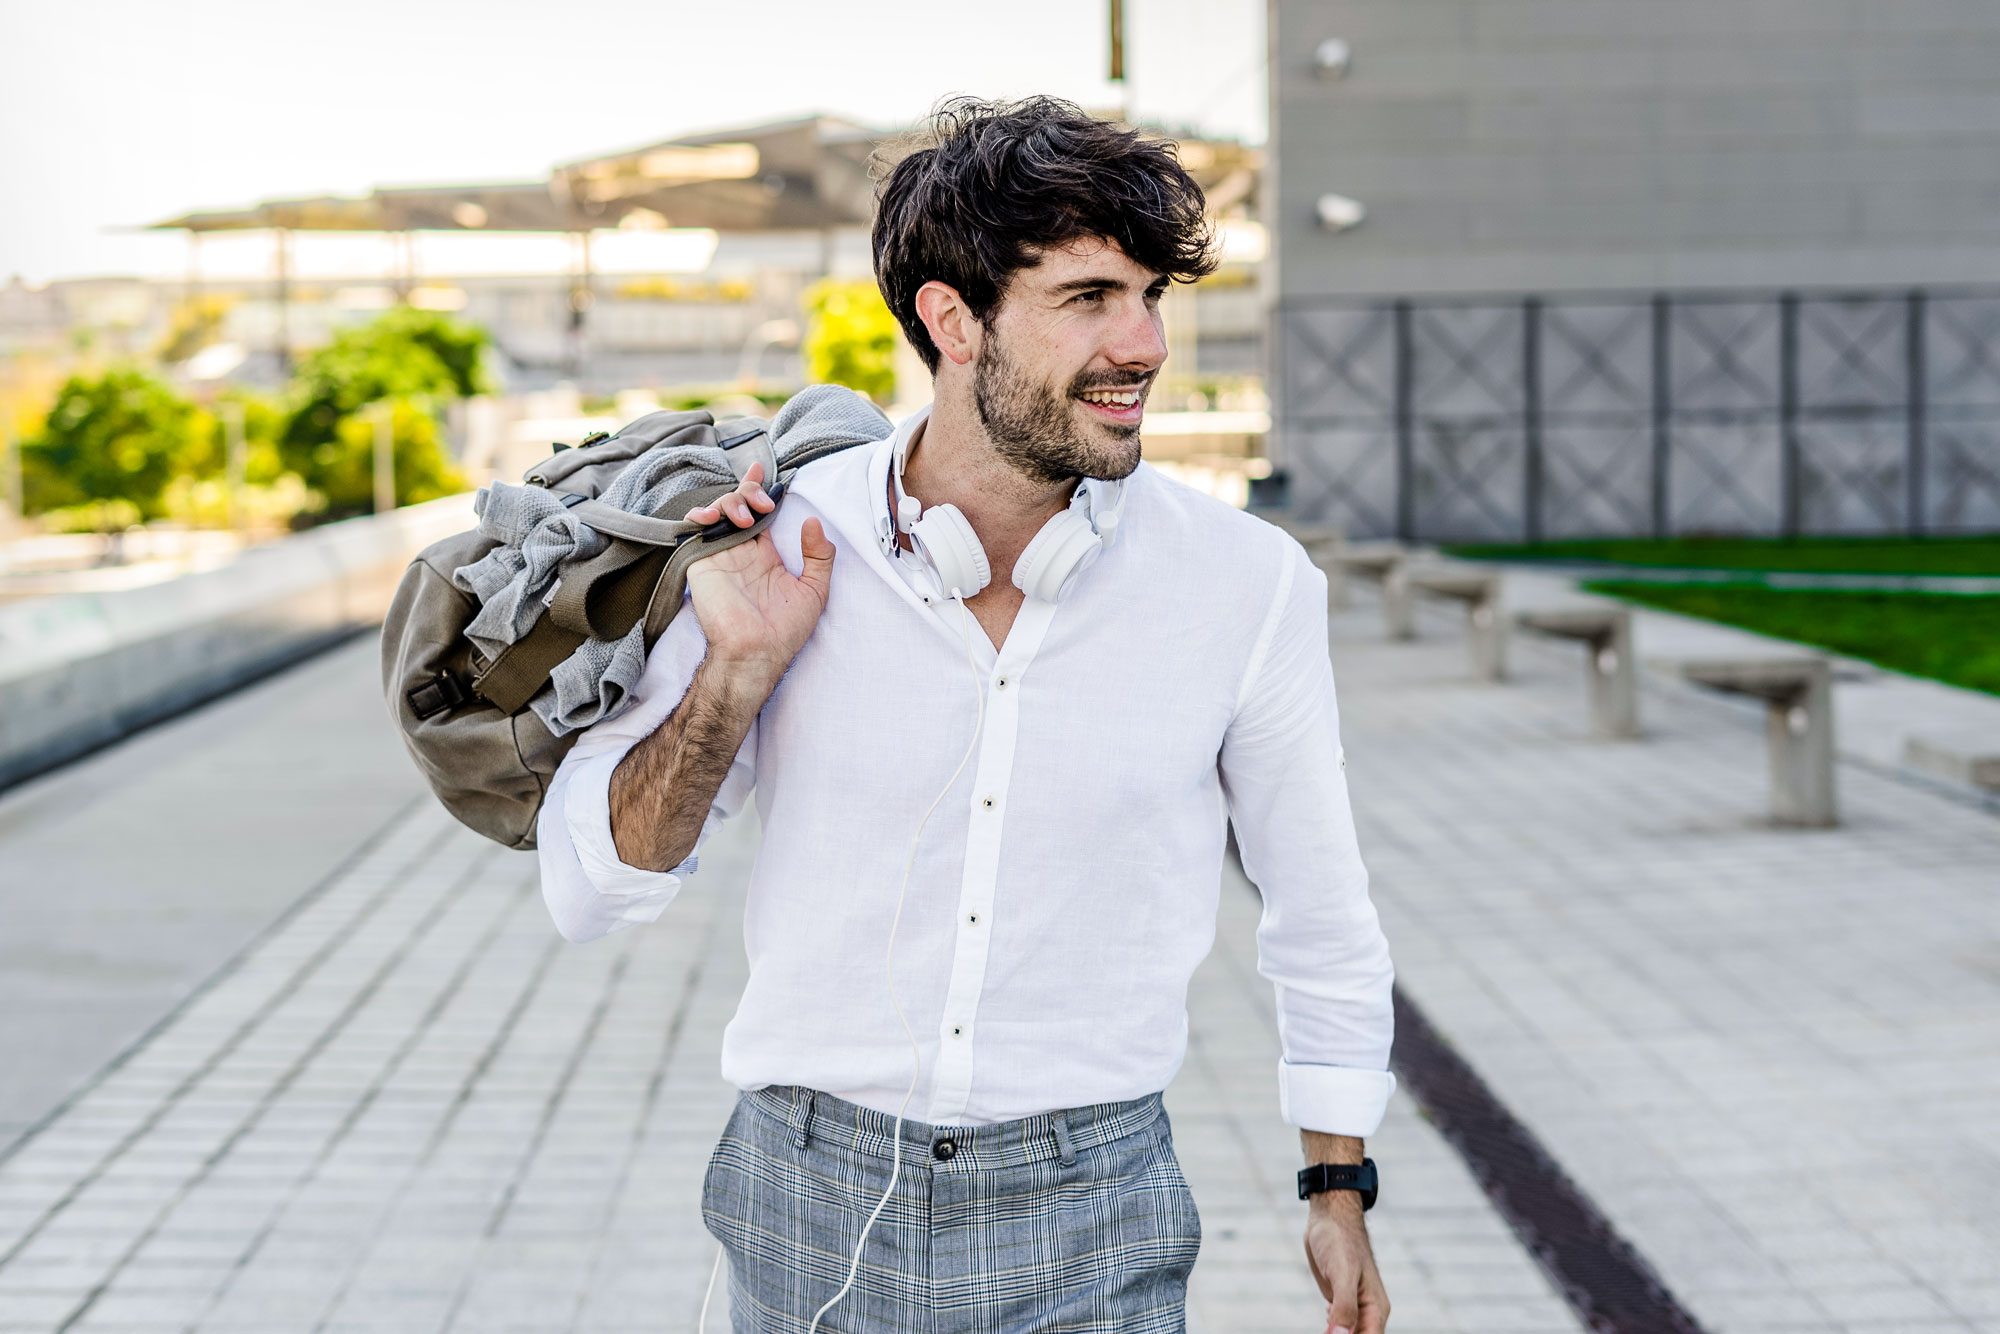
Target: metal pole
1406,495
403,258
385,457
1663,406
1917,396
1788,414
10,462
1531,417
284,301
232,426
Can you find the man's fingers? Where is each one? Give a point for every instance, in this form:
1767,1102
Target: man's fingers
817,558
1374,1302
742,505
1343,1308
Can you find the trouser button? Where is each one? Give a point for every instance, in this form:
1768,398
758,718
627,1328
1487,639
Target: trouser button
943,1149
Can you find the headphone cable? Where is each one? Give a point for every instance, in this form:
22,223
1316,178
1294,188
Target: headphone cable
916,1052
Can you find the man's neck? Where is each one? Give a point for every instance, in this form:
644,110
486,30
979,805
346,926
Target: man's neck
951,462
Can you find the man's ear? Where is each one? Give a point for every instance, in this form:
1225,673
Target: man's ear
948,321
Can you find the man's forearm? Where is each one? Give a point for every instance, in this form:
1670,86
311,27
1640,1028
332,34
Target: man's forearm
1323,1148
662,789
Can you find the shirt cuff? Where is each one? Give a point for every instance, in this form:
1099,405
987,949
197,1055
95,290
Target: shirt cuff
587,813
1334,1099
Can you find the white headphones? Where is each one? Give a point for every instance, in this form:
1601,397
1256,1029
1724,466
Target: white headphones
1066,545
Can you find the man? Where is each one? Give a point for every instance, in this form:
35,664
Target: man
998,815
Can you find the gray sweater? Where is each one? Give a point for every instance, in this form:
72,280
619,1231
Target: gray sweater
537,534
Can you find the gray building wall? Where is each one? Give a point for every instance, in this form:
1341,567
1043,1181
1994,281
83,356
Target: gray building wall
1693,232
1510,145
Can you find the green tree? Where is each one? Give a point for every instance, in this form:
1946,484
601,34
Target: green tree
411,356
852,337
112,440
423,467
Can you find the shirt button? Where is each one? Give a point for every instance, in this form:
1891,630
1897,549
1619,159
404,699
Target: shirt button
987,802
944,1149
972,918
1001,683
957,1031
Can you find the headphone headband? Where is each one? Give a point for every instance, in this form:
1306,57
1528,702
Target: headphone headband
951,551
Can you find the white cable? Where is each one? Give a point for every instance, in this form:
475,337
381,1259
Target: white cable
916,1052
701,1326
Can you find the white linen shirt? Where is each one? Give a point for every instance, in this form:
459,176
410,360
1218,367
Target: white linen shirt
1065,888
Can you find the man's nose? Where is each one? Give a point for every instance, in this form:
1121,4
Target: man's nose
1142,340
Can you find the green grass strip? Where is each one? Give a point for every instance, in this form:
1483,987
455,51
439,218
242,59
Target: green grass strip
1950,637
1975,555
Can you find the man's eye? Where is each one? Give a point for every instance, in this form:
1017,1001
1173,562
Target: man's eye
1089,296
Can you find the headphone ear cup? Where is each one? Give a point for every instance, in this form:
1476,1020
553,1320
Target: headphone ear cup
1065,546
947,543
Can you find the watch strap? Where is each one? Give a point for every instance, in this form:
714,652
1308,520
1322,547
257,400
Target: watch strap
1359,1177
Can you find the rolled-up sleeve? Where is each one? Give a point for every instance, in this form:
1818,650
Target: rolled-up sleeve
589,890
1318,941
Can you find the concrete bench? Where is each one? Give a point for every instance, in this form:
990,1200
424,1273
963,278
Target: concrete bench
1377,562
1614,680
1968,763
1798,724
1485,630
1316,538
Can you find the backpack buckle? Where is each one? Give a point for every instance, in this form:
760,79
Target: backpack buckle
443,691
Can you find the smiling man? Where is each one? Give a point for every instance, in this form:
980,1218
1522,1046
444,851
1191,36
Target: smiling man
993,753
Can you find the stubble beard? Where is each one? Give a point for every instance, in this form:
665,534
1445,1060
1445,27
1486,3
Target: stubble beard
1035,429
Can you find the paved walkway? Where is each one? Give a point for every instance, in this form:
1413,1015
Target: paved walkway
405,1104
410,1106
1771,1056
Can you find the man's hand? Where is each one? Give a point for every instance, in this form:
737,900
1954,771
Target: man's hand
755,613
1344,1264
1337,1245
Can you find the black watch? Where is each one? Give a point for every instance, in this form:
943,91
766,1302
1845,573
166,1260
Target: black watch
1341,1176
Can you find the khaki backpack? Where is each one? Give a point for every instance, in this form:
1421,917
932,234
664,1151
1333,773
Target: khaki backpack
466,721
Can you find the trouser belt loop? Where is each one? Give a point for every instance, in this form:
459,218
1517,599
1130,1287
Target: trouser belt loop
802,1117
1063,1146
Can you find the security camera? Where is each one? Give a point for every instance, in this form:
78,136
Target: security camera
1337,213
1331,58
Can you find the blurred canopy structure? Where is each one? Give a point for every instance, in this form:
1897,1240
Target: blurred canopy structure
806,174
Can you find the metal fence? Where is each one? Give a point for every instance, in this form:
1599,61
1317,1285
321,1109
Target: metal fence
1537,418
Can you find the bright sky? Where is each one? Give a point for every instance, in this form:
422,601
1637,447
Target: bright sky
119,112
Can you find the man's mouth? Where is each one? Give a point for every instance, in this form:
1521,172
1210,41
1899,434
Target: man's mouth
1115,405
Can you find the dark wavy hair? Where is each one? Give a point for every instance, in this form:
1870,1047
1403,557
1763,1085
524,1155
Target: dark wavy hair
994,184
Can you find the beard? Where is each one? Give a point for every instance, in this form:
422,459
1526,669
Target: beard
1036,429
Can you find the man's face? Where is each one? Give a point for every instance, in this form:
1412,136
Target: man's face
1065,362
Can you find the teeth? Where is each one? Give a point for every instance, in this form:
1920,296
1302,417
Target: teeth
1118,399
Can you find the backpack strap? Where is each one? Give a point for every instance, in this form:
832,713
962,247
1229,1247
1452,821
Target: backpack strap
643,573
614,522
523,667
580,594
748,446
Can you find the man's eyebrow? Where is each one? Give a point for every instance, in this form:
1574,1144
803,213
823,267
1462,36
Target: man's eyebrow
1102,285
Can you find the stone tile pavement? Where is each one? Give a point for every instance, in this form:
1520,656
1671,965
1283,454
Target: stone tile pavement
1771,1056
410,1106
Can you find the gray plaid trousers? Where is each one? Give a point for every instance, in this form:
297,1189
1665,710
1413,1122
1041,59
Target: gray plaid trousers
1076,1221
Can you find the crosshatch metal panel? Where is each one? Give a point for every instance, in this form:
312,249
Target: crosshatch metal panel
1523,418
